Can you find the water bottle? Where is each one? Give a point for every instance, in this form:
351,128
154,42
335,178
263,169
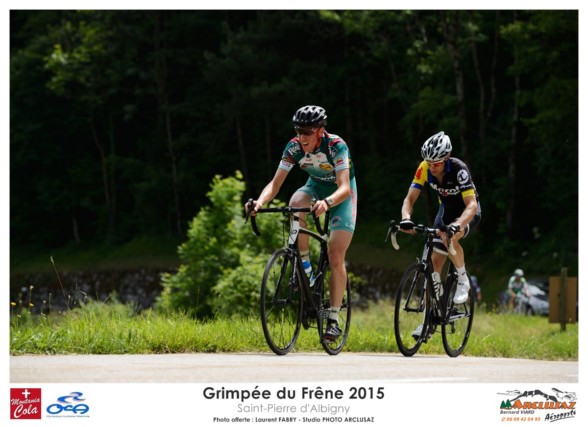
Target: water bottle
308,270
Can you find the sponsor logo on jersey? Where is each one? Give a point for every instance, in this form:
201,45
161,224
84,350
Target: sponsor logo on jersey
462,176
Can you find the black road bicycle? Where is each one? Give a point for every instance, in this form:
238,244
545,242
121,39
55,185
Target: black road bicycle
417,303
289,298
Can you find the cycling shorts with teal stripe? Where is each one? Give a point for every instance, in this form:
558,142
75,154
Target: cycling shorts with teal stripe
343,215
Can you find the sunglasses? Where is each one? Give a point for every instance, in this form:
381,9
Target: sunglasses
433,164
305,131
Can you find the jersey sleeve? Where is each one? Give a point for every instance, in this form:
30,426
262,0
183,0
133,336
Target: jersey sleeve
340,154
420,176
290,156
466,185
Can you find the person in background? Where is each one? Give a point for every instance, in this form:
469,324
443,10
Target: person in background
476,288
517,285
325,157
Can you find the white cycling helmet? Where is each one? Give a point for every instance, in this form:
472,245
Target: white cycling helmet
519,272
436,148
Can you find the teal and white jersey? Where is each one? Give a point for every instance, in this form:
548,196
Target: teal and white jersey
330,156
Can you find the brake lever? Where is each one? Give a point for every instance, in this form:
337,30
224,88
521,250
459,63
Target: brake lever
392,231
253,222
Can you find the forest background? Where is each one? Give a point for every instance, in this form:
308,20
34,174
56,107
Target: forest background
120,120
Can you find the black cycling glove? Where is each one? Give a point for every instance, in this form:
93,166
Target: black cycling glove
406,224
453,229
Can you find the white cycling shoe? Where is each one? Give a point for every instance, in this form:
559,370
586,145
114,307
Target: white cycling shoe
417,332
461,293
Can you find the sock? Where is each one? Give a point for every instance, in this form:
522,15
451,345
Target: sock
305,255
334,313
461,275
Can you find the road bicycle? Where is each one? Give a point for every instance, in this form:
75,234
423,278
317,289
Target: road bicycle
289,298
417,302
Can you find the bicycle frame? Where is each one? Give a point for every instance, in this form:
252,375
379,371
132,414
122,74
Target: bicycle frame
295,230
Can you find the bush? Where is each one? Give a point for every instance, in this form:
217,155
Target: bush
222,261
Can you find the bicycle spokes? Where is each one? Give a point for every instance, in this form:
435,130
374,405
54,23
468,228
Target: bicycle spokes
458,323
333,344
410,313
280,303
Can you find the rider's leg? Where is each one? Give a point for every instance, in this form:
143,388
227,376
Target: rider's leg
300,199
438,260
458,259
339,242
463,284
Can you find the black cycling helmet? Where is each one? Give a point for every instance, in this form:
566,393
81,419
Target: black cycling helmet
310,115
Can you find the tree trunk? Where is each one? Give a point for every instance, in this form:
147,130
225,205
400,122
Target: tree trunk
481,89
105,180
450,25
269,161
242,155
512,169
161,73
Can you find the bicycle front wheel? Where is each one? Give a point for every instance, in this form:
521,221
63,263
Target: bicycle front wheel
458,323
280,303
334,346
410,310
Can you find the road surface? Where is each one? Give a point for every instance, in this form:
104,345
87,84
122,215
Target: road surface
294,367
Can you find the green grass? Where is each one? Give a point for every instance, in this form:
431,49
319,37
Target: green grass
111,328
101,328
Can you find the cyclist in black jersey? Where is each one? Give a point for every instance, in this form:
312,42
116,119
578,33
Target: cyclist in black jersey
459,207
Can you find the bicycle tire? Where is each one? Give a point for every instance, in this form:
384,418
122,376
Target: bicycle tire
410,310
280,303
333,347
457,332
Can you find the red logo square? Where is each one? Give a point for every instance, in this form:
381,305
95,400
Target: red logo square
25,403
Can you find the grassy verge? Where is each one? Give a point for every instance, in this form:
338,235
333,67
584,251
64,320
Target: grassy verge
100,328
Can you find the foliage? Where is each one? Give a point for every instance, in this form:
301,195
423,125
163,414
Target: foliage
237,292
125,116
221,262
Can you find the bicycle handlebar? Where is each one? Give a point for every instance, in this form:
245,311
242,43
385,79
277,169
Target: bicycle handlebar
422,229
285,210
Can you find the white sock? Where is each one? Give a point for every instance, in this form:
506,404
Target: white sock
461,275
334,313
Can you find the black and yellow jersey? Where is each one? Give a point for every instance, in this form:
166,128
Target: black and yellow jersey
456,185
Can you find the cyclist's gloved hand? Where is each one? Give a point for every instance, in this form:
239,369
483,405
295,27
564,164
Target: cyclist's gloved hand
453,229
251,207
406,224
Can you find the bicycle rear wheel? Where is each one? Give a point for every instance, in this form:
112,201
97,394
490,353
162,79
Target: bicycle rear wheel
280,303
460,317
410,310
335,346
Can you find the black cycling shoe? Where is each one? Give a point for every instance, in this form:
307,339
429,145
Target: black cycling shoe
333,331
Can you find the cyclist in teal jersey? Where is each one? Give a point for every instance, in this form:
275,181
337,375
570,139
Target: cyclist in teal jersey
325,157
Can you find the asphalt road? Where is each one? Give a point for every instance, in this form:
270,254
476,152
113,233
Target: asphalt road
294,367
